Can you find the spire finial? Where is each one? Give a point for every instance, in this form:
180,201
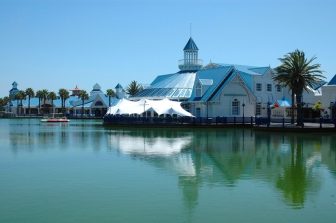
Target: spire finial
190,29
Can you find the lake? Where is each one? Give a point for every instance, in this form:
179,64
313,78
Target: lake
84,172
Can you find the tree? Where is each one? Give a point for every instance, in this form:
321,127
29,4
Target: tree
3,102
64,94
110,93
83,95
52,96
39,95
30,94
44,95
298,73
19,97
134,88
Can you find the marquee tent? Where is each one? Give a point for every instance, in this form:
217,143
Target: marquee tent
164,106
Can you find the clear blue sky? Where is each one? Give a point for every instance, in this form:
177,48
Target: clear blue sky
62,43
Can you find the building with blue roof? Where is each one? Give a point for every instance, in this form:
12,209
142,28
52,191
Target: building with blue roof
231,90
216,89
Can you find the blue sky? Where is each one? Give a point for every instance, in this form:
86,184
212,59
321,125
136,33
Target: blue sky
62,43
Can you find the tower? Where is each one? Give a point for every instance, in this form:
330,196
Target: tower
190,63
13,91
120,92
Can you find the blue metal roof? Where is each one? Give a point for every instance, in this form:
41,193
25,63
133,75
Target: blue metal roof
191,45
332,81
251,70
175,86
218,76
118,86
319,84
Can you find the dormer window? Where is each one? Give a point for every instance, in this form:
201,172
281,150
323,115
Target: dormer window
198,90
202,86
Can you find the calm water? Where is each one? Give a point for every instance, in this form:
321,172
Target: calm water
82,172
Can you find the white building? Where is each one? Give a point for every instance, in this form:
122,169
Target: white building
218,89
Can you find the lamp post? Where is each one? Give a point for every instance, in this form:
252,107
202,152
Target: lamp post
145,113
268,114
243,113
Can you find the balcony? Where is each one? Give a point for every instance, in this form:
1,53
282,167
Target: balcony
190,65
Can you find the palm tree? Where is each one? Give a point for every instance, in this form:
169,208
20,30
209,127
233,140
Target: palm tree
52,96
19,97
3,102
64,94
39,95
30,94
298,73
44,95
83,95
134,88
110,93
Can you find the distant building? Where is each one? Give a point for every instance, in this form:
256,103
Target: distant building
95,106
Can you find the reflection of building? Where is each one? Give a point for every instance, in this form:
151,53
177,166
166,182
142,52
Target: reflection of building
229,157
96,105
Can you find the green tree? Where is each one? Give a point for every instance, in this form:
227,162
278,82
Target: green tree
39,94
83,95
110,93
64,95
52,96
44,95
298,73
19,97
3,102
134,88
30,94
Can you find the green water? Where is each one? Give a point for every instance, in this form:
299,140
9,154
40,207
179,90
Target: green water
83,172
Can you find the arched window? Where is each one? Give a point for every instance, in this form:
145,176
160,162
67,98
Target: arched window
235,107
99,103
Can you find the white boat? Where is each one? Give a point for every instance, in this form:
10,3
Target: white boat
54,118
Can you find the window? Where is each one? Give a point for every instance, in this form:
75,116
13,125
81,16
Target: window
258,87
258,108
198,112
269,87
99,103
278,87
235,107
198,90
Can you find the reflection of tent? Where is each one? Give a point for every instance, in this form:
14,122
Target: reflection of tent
165,106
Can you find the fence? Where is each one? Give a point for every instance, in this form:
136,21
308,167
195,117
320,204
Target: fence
248,121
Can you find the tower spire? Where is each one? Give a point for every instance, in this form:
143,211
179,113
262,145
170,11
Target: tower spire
190,63
190,30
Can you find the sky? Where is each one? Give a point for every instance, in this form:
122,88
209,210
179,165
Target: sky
53,44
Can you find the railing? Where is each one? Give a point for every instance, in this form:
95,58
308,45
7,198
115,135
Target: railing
190,64
218,121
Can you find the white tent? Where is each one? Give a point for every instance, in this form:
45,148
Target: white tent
165,106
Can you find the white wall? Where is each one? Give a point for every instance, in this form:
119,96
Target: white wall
222,105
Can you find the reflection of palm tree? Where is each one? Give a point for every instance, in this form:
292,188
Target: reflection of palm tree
293,182
190,187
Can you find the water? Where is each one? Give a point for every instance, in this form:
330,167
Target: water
83,172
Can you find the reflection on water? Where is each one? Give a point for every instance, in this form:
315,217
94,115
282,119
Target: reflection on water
287,163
